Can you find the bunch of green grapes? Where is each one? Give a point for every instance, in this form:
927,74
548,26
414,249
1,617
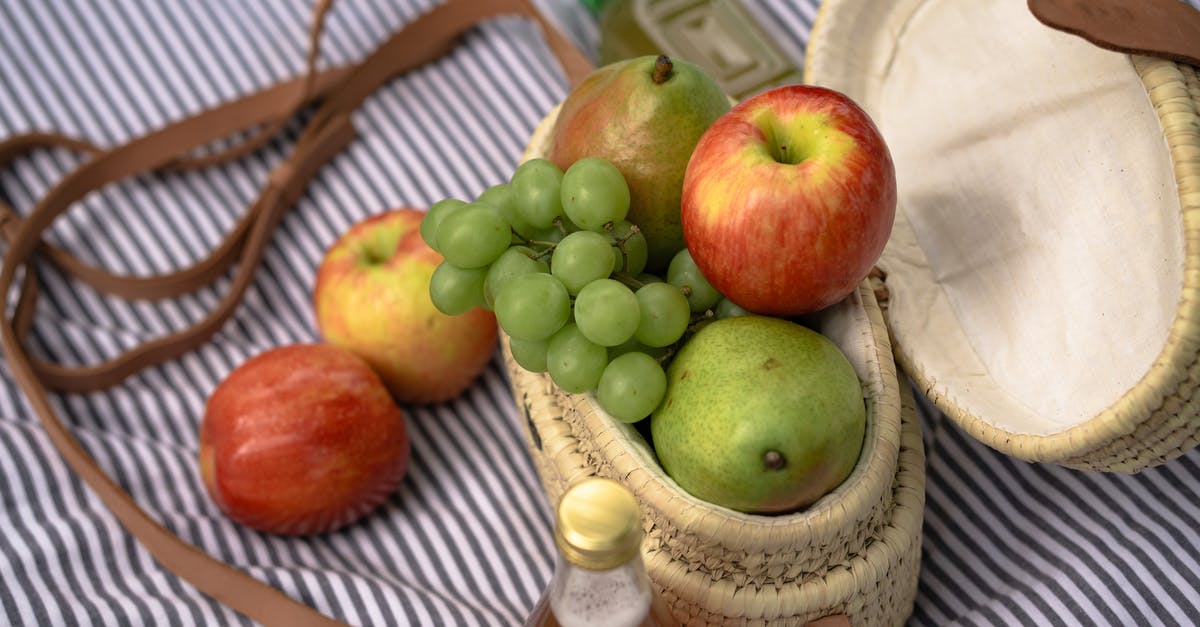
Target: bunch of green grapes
551,253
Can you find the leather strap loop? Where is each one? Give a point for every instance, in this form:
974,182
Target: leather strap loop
262,107
308,85
341,90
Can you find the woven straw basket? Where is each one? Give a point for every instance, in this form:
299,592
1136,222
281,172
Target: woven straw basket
855,552
1041,290
1045,261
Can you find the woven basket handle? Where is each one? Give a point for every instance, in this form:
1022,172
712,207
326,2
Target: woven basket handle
340,91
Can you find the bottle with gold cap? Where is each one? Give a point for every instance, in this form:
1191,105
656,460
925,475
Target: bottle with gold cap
599,578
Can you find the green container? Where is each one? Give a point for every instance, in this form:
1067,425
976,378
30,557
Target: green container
720,36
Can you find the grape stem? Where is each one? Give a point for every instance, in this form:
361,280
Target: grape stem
619,242
699,321
629,280
541,248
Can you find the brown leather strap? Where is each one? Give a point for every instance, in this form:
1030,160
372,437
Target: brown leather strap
340,91
1159,28
277,103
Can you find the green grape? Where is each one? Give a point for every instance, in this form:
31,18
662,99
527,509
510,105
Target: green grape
636,250
728,309
552,235
631,387
574,362
606,312
434,217
536,186
683,273
580,258
514,261
532,306
646,278
473,236
503,200
529,354
633,346
665,314
594,193
570,226
455,290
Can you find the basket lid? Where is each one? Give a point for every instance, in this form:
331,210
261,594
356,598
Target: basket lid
1041,271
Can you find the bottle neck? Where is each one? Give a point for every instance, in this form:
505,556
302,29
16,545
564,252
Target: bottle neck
617,597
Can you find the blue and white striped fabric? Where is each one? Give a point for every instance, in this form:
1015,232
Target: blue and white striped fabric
466,540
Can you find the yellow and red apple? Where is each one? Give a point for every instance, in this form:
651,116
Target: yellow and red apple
788,200
302,439
372,298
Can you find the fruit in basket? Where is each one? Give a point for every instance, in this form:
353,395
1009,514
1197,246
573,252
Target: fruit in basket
644,115
302,439
569,290
372,297
761,415
788,200
684,272
594,193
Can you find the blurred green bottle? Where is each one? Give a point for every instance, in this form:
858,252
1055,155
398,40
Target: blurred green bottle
720,36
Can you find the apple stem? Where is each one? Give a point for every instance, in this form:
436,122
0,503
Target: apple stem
662,69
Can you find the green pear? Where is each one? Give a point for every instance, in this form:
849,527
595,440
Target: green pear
644,115
761,415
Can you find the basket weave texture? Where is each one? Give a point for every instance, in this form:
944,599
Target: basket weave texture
852,48
1159,418
855,552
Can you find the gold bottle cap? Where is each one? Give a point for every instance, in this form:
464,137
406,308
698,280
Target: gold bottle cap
598,524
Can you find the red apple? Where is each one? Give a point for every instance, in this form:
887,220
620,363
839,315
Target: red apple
788,200
302,439
372,297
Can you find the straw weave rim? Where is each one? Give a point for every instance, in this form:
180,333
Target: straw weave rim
870,574
856,551
1158,418
876,585
858,498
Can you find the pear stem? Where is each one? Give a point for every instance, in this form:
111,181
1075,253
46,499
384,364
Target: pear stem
662,69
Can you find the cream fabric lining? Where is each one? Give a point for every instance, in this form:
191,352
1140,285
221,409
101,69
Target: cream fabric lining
1037,258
